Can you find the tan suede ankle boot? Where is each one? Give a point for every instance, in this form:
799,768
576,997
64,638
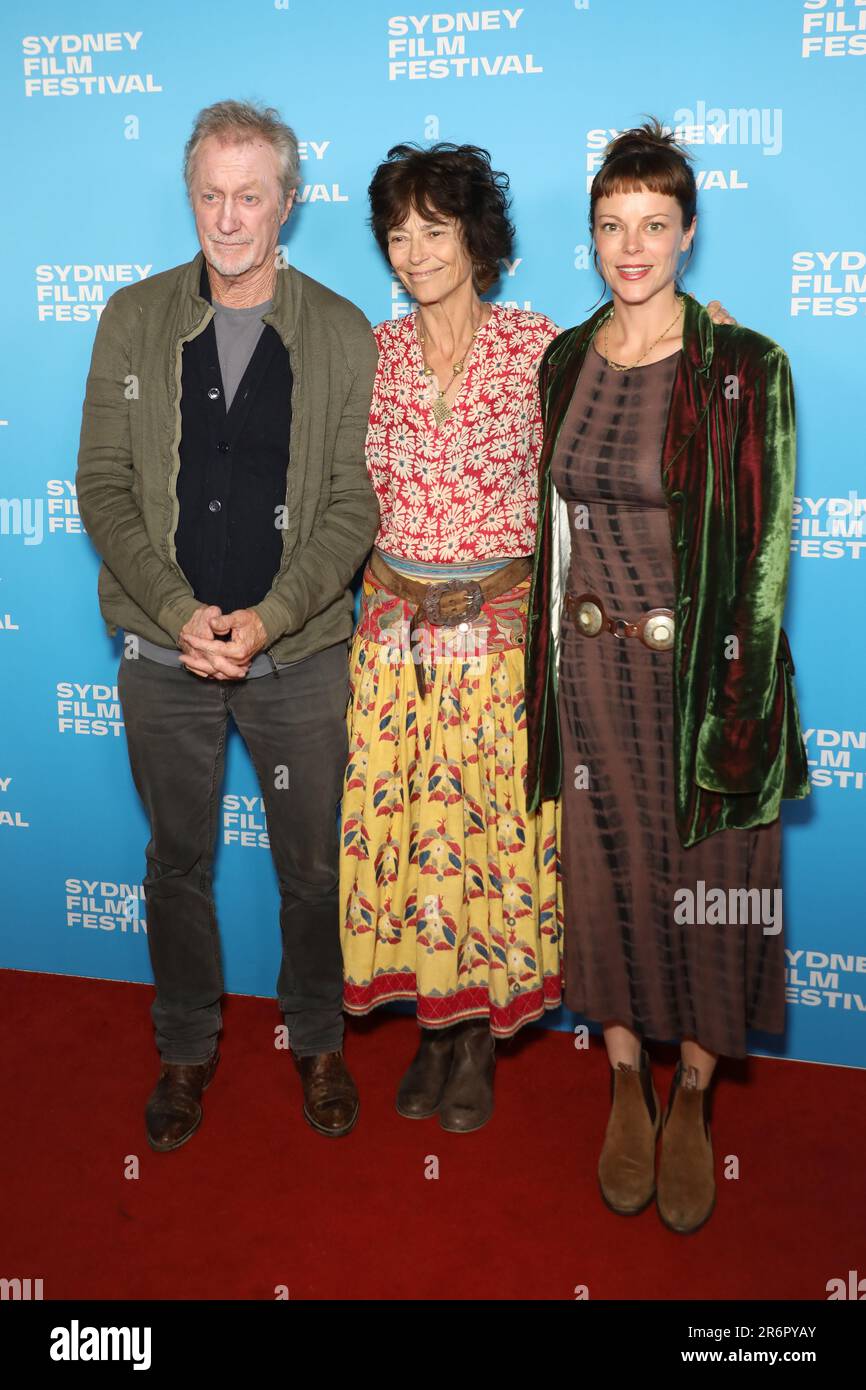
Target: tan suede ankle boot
686,1187
626,1168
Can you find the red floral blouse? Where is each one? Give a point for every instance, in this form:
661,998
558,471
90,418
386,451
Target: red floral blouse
467,489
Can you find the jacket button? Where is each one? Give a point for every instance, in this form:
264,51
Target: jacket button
214,393
223,447
214,506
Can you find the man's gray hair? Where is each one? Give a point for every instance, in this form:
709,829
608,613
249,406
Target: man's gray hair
240,121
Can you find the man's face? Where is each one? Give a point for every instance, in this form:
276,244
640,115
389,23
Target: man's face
238,205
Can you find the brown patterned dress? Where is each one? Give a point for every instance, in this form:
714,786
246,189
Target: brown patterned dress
629,958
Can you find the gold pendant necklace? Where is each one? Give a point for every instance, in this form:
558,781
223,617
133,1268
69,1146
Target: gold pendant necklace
617,366
439,406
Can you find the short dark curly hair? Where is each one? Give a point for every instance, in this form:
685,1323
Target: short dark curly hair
443,181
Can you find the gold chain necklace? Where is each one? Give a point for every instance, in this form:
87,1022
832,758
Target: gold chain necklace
617,367
439,406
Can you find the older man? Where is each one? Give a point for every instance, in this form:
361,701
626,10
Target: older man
221,477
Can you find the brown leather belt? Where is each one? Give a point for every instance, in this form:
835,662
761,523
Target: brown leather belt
452,603
655,628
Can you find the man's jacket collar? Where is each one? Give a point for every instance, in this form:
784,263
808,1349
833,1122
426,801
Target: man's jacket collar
197,308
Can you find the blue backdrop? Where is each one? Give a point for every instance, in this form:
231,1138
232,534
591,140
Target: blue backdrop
99,98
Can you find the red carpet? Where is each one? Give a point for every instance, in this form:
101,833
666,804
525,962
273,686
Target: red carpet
258,1199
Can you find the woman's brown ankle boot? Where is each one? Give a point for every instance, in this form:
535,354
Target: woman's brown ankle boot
686,1188
467,1101
420,1092
626,1168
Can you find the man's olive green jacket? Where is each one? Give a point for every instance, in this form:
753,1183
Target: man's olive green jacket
129,459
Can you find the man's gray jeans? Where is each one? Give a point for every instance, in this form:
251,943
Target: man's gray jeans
176,726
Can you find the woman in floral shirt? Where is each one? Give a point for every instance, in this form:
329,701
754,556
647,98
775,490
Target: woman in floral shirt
449,889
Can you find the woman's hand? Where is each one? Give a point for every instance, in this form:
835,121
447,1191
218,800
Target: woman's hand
718,313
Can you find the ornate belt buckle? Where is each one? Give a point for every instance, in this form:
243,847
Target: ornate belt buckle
590,618
656,629
456,601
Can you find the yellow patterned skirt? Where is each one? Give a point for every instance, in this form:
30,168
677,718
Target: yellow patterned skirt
449,890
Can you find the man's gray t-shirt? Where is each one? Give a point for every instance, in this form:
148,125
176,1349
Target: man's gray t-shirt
237,335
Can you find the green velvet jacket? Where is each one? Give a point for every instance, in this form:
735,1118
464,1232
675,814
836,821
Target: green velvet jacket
727,466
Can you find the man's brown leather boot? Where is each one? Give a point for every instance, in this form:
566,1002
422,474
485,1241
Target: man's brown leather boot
626,1167
173,1112
420,1091
686,1188
467,1101
331,1102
